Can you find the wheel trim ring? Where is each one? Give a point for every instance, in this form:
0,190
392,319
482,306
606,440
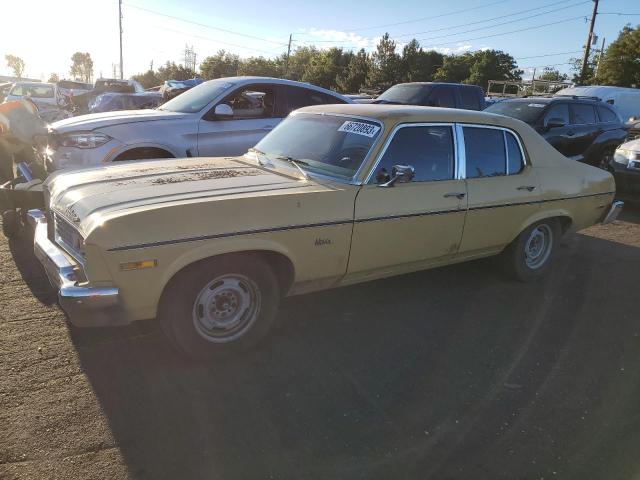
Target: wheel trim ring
538,246
215,298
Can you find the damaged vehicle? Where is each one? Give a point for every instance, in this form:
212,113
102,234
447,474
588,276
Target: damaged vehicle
172,88
335,195
111,102
226,116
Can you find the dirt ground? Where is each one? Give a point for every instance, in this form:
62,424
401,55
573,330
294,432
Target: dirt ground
454,373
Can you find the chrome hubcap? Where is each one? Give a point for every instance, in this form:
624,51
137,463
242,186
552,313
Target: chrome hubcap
538,246
226,308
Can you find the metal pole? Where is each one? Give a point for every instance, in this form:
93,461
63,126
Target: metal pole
120,22
286,62
587,47
600,58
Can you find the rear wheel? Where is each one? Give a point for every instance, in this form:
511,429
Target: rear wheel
530,255
220,306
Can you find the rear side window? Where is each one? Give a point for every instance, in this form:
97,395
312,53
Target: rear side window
485,152
443,97
429,149
607,116
582,114
470,98
558,112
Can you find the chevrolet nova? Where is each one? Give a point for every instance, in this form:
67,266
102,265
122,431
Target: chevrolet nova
335,195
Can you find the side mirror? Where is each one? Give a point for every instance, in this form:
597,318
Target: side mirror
400,173
554,122
223,111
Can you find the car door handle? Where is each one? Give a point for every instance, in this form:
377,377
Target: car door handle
528,188
458,195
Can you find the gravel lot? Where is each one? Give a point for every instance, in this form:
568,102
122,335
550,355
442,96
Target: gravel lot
454,373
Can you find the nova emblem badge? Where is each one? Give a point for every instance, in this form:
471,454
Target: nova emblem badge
323,241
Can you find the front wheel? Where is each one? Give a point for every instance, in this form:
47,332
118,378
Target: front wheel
530,255
220,306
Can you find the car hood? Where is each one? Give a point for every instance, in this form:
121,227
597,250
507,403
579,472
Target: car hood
107,119
633,145
89,197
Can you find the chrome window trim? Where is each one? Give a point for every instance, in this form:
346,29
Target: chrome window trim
505,130
417,124
461,156
354,179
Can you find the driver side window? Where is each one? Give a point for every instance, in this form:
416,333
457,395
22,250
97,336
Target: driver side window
254,101
429,149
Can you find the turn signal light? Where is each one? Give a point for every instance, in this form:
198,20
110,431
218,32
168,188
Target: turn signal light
138,265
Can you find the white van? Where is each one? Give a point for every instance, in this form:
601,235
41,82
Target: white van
626,100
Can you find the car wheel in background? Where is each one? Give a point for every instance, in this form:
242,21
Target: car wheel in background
220,306
530,255
606,158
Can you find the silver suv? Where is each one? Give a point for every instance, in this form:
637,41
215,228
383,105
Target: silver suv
220,117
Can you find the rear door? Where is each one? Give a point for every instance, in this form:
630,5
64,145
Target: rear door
502,187
584,129
559,137
257,109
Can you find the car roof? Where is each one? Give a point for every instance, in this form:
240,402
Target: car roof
437,83
555,99
280,81
412,113
35,84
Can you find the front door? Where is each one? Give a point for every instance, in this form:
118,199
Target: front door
409,225
256,112
503,190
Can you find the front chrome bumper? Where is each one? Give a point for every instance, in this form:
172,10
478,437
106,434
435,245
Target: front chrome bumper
612,214
84,305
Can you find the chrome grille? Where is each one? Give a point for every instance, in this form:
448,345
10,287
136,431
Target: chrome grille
68,237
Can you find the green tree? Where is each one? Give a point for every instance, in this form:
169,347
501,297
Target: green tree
324,68
222,64
298,62
173,71
491,65
621,61
148,79
418,65
53,78
259,66
81,66
385,63
590,71
355,75
16,64
552,74
455,68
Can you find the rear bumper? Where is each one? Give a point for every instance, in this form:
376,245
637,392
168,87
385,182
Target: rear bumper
85,306
614,211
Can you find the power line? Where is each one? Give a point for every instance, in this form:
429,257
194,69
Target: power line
509,32
182,32
619,13
429,17
548,55
155,12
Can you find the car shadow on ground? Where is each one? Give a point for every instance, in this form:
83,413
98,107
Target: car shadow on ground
451,373
21,248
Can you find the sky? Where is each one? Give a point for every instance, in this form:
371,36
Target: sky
537,33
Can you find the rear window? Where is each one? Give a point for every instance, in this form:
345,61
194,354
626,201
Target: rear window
443,97
527,111
405,94
582,114
470,98
485,152
607,116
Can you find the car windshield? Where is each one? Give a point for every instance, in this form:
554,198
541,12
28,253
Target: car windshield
198,97
527,111
407,94
326,144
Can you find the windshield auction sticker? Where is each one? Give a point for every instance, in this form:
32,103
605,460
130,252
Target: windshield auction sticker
359,128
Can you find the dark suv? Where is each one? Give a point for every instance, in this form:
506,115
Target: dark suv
586,130
434,94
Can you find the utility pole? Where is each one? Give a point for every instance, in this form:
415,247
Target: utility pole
120,20
600,58
587,47
286,62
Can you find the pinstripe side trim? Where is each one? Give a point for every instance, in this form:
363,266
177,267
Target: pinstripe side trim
339,222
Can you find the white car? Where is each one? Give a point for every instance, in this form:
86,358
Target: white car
220,117
44,95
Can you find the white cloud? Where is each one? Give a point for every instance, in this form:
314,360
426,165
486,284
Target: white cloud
323,38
